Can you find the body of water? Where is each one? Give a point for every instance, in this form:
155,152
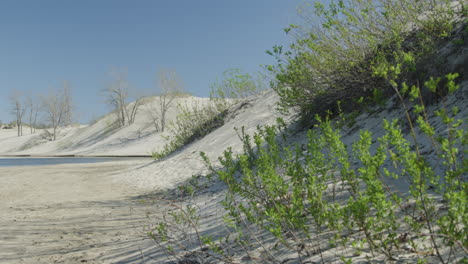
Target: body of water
28,161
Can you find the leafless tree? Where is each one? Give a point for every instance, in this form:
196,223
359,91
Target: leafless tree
18,110
33,109
117,94
134,109
58,110
170,86
152,112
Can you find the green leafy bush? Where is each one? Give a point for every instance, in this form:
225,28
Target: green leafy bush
349,52
196,121
192,122
339,47
332,191
234,86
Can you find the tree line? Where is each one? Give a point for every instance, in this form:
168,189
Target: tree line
56,110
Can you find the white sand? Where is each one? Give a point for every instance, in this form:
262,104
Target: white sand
100,138
89,212
68,214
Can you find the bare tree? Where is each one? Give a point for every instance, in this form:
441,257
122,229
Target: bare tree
117,94
58,109
18,110
152,112
170,86
33,110
134,109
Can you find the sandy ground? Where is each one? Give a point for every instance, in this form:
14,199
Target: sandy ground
102,137
72,213
93,213
97,213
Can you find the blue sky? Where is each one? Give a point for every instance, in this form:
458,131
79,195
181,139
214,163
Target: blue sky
43,43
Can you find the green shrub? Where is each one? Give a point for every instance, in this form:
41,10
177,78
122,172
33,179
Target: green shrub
234,86
332,191
340,46
196,121
192,122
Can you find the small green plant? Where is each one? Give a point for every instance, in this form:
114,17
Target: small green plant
328,191
293,194
234,86
193,122
339,44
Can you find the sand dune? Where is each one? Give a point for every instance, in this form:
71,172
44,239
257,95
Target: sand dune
98,213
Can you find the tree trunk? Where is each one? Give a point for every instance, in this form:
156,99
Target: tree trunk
30,119
18,125
35,120
163,122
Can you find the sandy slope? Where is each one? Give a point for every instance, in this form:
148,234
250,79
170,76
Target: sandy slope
207,201
141,139
100,138
93,212
257,111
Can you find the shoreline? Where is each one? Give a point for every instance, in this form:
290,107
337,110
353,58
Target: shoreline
70,156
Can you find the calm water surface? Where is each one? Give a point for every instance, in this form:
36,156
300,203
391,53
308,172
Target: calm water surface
27,161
